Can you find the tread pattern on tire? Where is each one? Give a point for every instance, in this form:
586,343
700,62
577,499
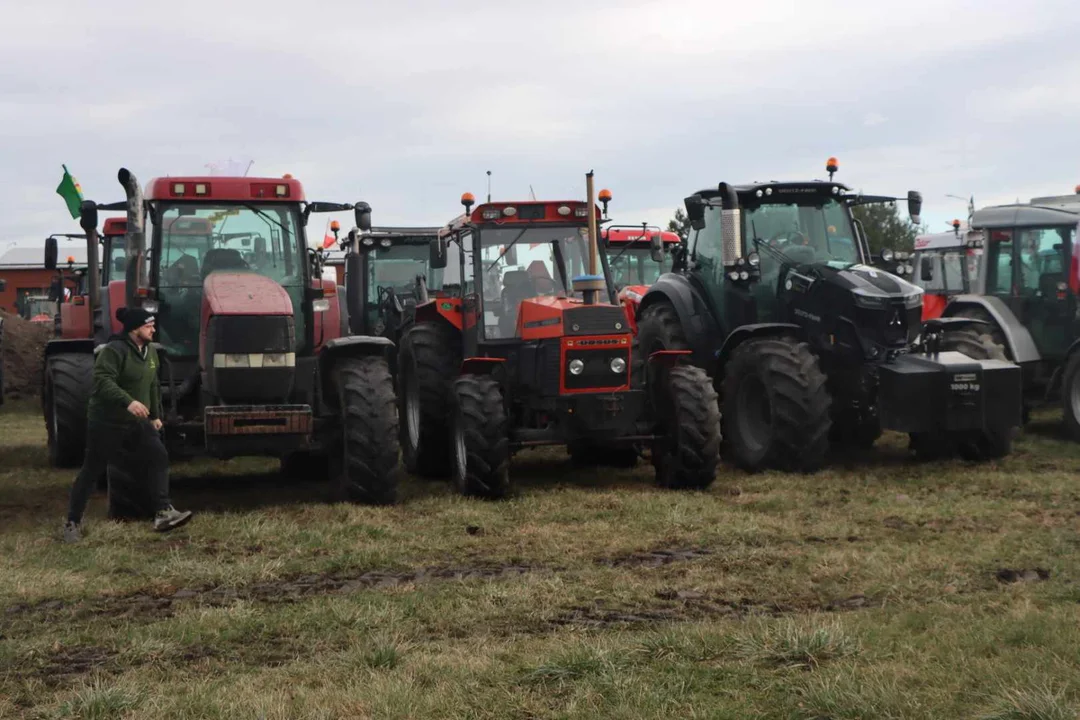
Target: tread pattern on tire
68,379
433,350
368,470
692,446
800,405
480,416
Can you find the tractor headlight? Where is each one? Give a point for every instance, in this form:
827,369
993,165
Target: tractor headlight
576,367
913,300
887,255
870,301
150,306
618,365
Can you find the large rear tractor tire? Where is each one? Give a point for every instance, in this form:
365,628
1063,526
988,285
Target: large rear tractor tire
776,407
428,362
687,452
480,439
364,458
66,396
1070,397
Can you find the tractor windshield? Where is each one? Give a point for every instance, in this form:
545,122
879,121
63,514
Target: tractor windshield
633,265
193,240
804,232
518,263
397,267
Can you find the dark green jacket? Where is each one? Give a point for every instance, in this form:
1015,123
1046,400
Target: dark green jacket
123,373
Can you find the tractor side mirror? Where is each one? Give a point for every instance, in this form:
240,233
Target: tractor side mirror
437,260
914,206
362,211
926,268
695,211
656,248
52,250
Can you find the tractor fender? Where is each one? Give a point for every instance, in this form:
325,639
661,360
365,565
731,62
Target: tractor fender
80,345
750,332
697,322
351,346
1021,347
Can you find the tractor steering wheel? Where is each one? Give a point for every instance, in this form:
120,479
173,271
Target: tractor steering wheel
791,237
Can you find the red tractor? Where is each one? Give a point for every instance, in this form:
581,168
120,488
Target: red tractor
528,347
636,257
254,359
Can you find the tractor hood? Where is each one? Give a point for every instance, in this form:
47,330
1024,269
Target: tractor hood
870,282
228,293
547,316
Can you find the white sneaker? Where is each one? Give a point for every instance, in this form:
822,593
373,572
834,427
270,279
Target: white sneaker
170,518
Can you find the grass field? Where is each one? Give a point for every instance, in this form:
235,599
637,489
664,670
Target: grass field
879,589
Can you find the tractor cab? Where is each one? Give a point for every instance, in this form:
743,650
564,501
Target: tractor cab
946,264
396,275
635,257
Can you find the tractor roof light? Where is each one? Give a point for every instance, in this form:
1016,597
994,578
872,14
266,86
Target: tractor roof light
368,241
832,165
581,212
385,242
178,188
335,226
490,214
202,189
468,200
509,211
564,210
604,196
281,190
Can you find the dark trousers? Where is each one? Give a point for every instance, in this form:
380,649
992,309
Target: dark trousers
137,450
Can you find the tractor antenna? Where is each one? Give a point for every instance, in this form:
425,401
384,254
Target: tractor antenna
532,192
489,185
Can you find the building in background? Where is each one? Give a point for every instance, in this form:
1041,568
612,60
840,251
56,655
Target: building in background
24,274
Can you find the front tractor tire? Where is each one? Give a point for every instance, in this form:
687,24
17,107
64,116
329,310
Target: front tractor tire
776,407
481,444
66,396
687,451
364,455
428,362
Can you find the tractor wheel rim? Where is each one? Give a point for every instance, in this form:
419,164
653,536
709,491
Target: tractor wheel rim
412,409
459,450
753,413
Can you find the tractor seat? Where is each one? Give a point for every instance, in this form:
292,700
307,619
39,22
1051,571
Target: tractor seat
223,259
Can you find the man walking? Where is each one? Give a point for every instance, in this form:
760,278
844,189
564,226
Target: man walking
124,422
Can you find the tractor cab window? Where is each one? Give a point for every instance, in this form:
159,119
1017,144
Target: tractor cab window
999,263
803,232
633,264
519,263
948,271
1043,254
192,241
397,268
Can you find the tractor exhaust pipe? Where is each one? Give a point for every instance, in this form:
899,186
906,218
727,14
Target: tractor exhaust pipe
88,218
134,238
590,285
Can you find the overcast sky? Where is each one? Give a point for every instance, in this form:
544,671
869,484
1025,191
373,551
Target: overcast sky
406,104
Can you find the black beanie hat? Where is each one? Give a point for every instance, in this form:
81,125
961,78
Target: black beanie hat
133,318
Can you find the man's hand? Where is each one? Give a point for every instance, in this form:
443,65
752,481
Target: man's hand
156,424
137,409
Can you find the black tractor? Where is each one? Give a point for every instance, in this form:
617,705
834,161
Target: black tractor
810,346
